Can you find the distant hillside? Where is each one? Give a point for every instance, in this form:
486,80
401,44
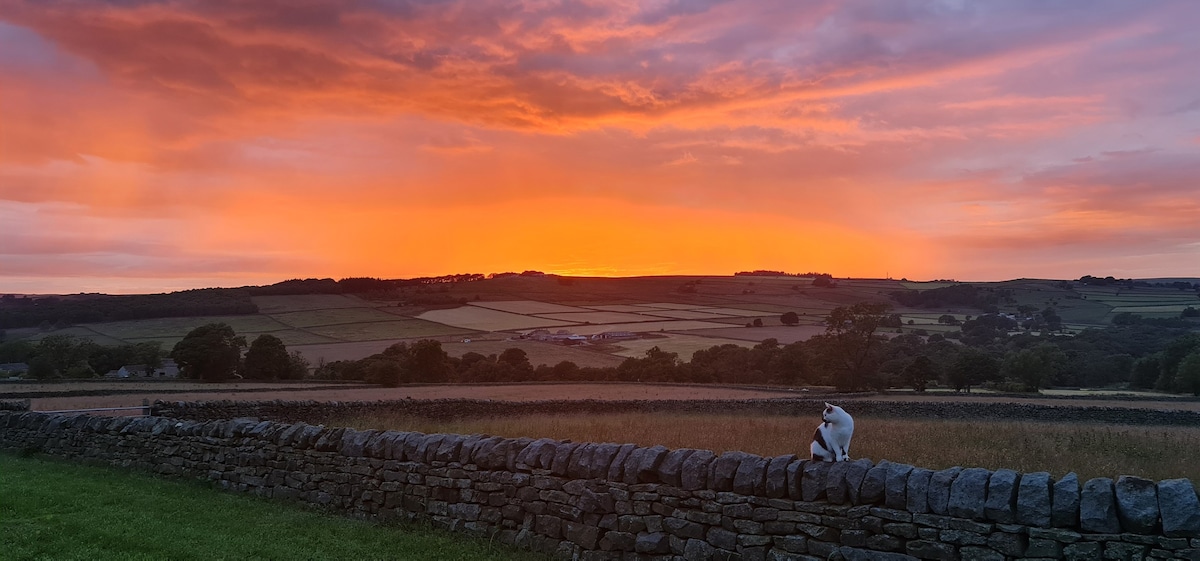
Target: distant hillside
58,311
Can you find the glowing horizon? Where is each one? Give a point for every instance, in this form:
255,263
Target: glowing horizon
155,146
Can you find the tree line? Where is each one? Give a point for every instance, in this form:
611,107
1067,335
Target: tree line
852,354
65,356
213,353
49,312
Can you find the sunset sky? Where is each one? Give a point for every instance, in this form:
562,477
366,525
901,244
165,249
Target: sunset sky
149,146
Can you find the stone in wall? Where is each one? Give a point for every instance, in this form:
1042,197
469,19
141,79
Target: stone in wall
1033,499
917,495
647,467
1000,505
874,483
855,473
836,488
1180,508
560,462
968,494
939,489
694,473
776,486
1137,504
895,489
795,475
750,475
616,469
671,468
812,480
1064,502
722,470
1098,507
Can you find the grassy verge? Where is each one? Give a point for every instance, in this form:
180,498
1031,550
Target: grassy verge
1087,449
54,510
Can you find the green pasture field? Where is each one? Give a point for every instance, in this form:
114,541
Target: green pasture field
530,307
79,331
684,345
167,328
332,316
301,302
56,510
911,285
537,352
618,308
735,312
288,336
784,334
292,337
1090,450
395,329
484,319
598,317
1171,309
688,314
646,326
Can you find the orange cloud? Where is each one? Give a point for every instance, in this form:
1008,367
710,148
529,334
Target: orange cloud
232,140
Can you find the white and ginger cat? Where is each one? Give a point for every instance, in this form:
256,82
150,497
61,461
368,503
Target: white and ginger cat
831,441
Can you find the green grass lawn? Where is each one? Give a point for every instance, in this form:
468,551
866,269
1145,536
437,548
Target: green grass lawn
54,510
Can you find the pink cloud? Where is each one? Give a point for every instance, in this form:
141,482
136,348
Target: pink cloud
1052,133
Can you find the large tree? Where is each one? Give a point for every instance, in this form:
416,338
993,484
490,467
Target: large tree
267,359
1188,376
849,345
1034,367
209,352
972,367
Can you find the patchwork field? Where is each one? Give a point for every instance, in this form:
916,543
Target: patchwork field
647,326
782,333
529,307
685,345
537,352
716,308
332,316
689,314
484,319
82,332
597,317
396,329
166,328
292,303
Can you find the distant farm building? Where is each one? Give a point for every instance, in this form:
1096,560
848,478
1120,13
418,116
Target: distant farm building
14,368
614,336
561,336
168,370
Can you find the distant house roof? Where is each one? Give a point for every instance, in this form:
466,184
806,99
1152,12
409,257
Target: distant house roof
14,367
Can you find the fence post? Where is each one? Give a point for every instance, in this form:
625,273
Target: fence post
146,407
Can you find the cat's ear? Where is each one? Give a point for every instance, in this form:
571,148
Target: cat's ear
827,405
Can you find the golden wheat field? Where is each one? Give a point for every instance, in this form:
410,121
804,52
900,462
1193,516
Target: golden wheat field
1090,450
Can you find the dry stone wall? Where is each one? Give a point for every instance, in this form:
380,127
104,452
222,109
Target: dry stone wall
295,411
606,501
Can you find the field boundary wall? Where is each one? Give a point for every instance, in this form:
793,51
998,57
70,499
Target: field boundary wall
607,501
305,410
